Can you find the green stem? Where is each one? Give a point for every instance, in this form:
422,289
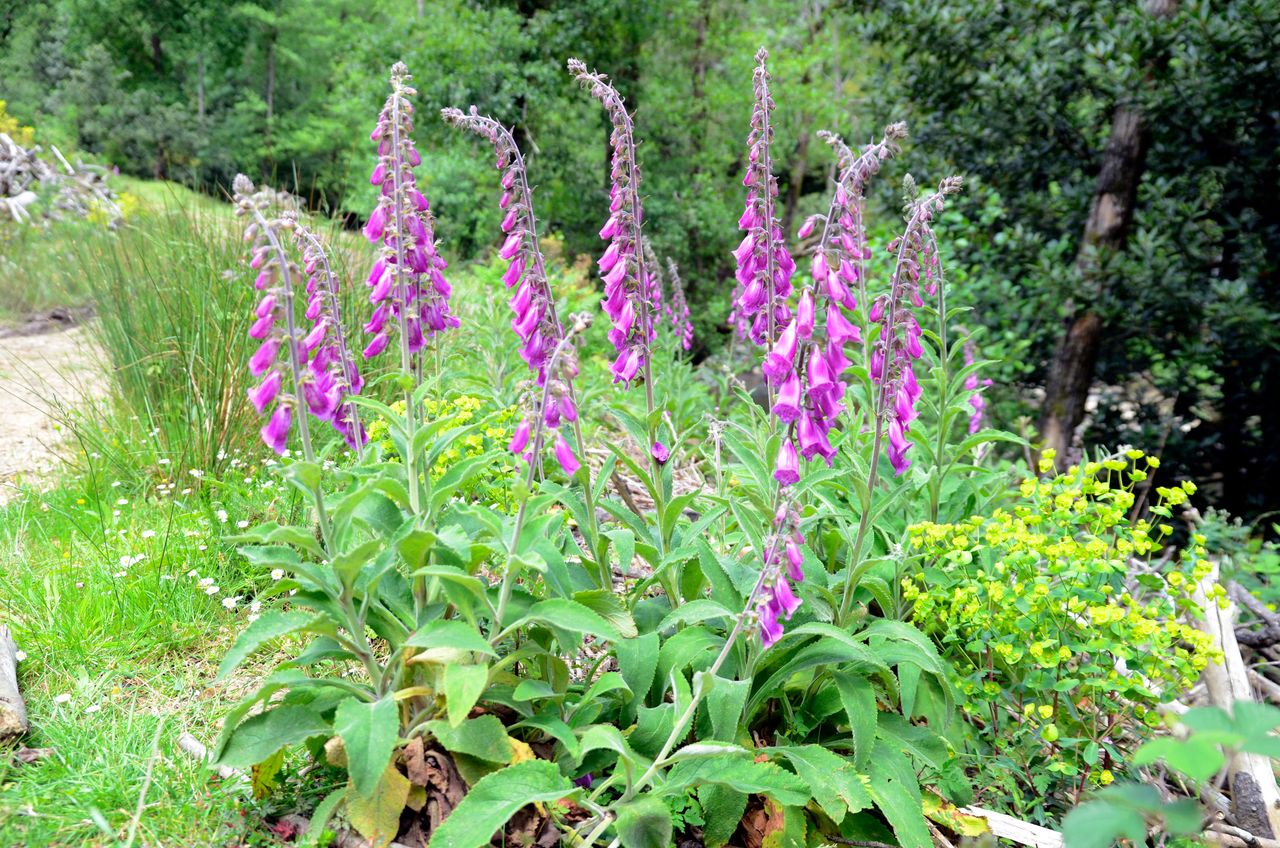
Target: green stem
864,524
682,723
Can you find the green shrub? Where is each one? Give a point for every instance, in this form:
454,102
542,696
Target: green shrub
1060,624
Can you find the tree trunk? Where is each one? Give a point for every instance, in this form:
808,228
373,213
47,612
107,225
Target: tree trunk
200,73
1105,232
1111,213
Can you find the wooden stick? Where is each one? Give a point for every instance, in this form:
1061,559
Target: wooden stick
13,711
1233,837
1255,798
1016,830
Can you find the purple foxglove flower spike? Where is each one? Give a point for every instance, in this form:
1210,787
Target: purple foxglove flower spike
335,372
622,230
762,256
773,600
545,345
678,311
409,274
898,345
974,385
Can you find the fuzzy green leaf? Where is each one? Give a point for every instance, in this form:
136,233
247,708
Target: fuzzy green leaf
495,798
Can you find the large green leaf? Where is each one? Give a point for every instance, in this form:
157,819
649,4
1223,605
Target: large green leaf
571,616
369,732
832,780
724,707
261,735
495,798
739,772
483,737
644,823
272,625
896,791
858,698
463,686
450,633
638,661
722,810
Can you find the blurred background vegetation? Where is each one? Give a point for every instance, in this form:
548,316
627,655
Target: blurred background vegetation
1121,159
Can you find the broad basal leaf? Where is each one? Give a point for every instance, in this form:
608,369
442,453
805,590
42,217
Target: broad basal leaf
494,799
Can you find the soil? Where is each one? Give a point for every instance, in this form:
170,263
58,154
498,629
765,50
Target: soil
44,367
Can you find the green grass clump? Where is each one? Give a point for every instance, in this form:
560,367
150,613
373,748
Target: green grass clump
123,600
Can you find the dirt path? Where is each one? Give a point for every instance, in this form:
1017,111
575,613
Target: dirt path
37,373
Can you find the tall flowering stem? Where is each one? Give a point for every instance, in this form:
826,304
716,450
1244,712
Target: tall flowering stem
770,598
806,364
275,280
529,442
895,389
334,371
843,243
406,283
678,309
629,286
764,265
536,321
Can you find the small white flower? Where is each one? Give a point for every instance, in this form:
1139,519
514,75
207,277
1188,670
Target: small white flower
230,603
115,513
203,548
92,708
196,472
148,534
277,574
115,484
255,606
242,524
19,656
166,576
62,699
122,501
212,590
79,584
193,573
206,581
222,515
164,460
186,491
251,617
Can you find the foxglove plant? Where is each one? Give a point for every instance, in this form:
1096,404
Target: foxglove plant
974,385
407,284
898,345
678,309
806,364
764,265
545,346
628,284
632,293
335,376
276,326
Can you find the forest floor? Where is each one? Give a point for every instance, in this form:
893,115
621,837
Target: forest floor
44,368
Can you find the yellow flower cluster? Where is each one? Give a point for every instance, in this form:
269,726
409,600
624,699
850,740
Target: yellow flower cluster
22,136
1057,594
495,429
